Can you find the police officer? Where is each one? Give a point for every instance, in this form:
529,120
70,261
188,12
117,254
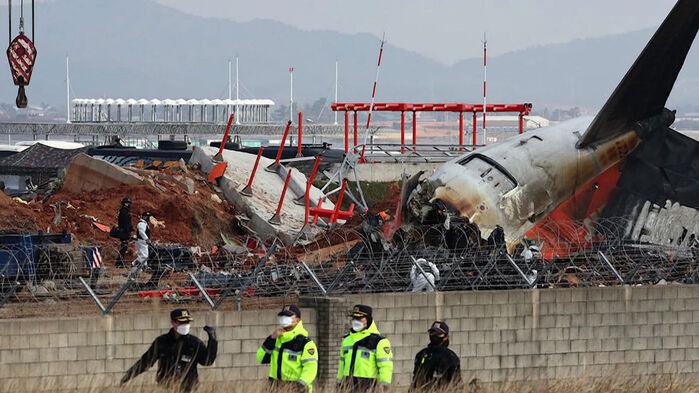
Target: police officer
436,366
177,354
366,359
291,355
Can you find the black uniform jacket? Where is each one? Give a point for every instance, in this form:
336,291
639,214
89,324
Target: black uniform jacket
177,358
435,367
125,226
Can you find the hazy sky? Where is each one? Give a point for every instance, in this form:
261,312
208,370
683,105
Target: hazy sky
448,30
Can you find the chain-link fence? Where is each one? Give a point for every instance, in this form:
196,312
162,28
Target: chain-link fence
49,274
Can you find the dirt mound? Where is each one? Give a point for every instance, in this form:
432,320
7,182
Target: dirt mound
16,217
194,219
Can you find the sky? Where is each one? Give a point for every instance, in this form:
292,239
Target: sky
448,30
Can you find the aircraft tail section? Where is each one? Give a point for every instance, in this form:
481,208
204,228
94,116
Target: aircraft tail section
645,88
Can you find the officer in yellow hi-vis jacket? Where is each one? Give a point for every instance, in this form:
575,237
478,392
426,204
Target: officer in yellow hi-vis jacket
291,355
366,359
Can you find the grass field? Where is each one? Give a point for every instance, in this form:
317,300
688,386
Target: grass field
616,384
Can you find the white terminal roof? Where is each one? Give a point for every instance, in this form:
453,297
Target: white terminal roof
170,101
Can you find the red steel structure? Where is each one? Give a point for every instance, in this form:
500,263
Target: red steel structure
402,107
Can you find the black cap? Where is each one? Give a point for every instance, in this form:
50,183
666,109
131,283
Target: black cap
125,200
439,327
290,310
181,315
361,311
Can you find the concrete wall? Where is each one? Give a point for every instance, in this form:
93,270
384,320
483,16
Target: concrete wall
500,335
41,354
523,335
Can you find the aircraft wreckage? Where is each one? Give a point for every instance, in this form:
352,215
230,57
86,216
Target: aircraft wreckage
625,162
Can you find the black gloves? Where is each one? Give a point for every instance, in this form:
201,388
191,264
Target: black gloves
211,331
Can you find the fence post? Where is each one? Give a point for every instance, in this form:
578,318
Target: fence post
314,278
202,290
530,282
92,294
610,266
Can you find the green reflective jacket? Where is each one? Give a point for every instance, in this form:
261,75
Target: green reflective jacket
366,355
292,357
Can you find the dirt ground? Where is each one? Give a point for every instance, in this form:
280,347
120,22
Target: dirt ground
193,220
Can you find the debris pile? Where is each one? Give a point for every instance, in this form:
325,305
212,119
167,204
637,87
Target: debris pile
264,199
91,193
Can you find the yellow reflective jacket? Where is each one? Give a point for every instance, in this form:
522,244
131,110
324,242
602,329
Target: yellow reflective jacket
292,357
365,355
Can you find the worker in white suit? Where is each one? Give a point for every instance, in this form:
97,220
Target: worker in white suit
421,281
142,240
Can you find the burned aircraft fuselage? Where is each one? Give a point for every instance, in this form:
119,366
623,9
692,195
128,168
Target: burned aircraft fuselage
517,182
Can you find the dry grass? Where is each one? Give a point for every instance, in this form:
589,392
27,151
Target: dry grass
615,384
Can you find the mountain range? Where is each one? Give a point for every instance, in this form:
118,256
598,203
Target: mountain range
138,48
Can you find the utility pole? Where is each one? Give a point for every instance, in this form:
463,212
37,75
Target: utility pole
291,93
230,87
335,90
67,90
237,93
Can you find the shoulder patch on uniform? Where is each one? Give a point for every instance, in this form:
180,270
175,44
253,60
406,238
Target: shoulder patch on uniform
311,351
387,350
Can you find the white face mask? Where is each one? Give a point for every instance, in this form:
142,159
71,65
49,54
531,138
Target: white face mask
284,321
183,329
358,325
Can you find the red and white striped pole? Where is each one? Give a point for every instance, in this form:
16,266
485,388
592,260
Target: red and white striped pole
485,78
373,90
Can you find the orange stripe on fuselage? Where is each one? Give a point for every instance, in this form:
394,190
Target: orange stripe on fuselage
561,231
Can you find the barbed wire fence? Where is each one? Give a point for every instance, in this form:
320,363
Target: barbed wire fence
42,276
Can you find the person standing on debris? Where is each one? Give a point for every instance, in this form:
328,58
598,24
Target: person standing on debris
425,281
436,367
291,355
142,240
178,353
125,227
366,359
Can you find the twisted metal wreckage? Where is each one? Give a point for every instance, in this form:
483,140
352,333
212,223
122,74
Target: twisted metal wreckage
607,200
614,195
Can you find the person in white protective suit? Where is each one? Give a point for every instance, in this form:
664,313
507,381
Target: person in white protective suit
420,281
142,240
